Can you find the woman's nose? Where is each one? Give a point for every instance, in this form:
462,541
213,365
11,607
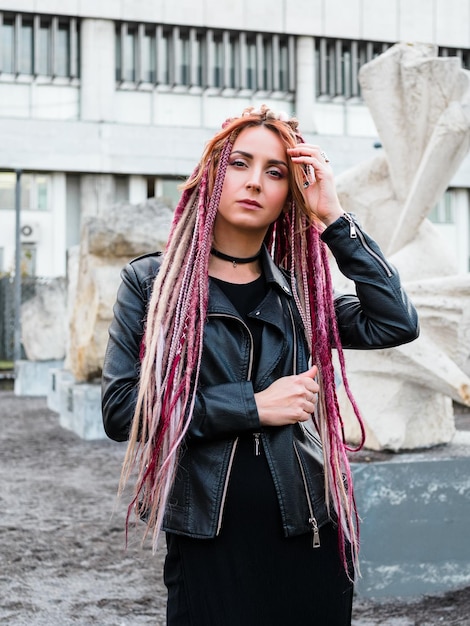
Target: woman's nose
254,184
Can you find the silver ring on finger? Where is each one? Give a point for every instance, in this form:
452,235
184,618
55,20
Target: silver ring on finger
325,156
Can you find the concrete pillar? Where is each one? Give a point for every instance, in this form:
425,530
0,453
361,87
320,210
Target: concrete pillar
59,199
97,193
137,189
305,88
97,70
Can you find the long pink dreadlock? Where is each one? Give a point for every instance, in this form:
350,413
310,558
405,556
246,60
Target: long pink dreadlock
173,339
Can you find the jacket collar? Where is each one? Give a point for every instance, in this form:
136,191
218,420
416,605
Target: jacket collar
272,273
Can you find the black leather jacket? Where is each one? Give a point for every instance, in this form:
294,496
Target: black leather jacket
379,316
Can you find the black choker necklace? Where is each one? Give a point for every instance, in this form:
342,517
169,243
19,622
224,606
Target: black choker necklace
233,259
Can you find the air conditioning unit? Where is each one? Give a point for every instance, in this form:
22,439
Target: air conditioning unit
29,232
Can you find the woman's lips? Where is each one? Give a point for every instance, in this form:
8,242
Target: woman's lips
250,203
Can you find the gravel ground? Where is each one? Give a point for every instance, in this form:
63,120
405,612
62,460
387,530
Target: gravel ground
62,557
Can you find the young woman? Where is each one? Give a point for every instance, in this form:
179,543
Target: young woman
219,374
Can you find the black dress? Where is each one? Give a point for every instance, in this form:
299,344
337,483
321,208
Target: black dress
251,575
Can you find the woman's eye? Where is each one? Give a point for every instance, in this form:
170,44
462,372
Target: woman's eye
276,173
238,163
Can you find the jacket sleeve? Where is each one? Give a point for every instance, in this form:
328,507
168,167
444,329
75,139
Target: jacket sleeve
379,314
122,358
224,410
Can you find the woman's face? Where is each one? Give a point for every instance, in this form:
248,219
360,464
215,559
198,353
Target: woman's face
256,183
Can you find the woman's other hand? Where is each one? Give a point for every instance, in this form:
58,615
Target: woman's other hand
289,399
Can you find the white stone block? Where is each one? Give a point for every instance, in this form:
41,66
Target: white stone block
80,407
56,375
65,390
32,377
87,421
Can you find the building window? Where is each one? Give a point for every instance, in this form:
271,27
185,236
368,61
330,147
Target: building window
444,211
34,45
250,67
35,191
283,66
28,259
200,53
25,55
164,41
461,53
337,64
130,56
8,45
175,56
62,45
7,190
185,59
167,190
44,53
121,188
148,55
338,61
233,45
218,61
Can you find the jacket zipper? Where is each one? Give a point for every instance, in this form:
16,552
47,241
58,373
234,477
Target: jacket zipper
308,433
294,335
235,443
224,492
312,519
355,232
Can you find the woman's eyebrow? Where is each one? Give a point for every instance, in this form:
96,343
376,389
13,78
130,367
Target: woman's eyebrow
250,156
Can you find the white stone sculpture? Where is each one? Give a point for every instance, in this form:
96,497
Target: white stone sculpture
421,108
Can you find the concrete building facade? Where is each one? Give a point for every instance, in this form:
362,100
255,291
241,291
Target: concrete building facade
113,100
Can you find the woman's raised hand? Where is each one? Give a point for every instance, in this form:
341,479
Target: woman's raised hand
319,186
